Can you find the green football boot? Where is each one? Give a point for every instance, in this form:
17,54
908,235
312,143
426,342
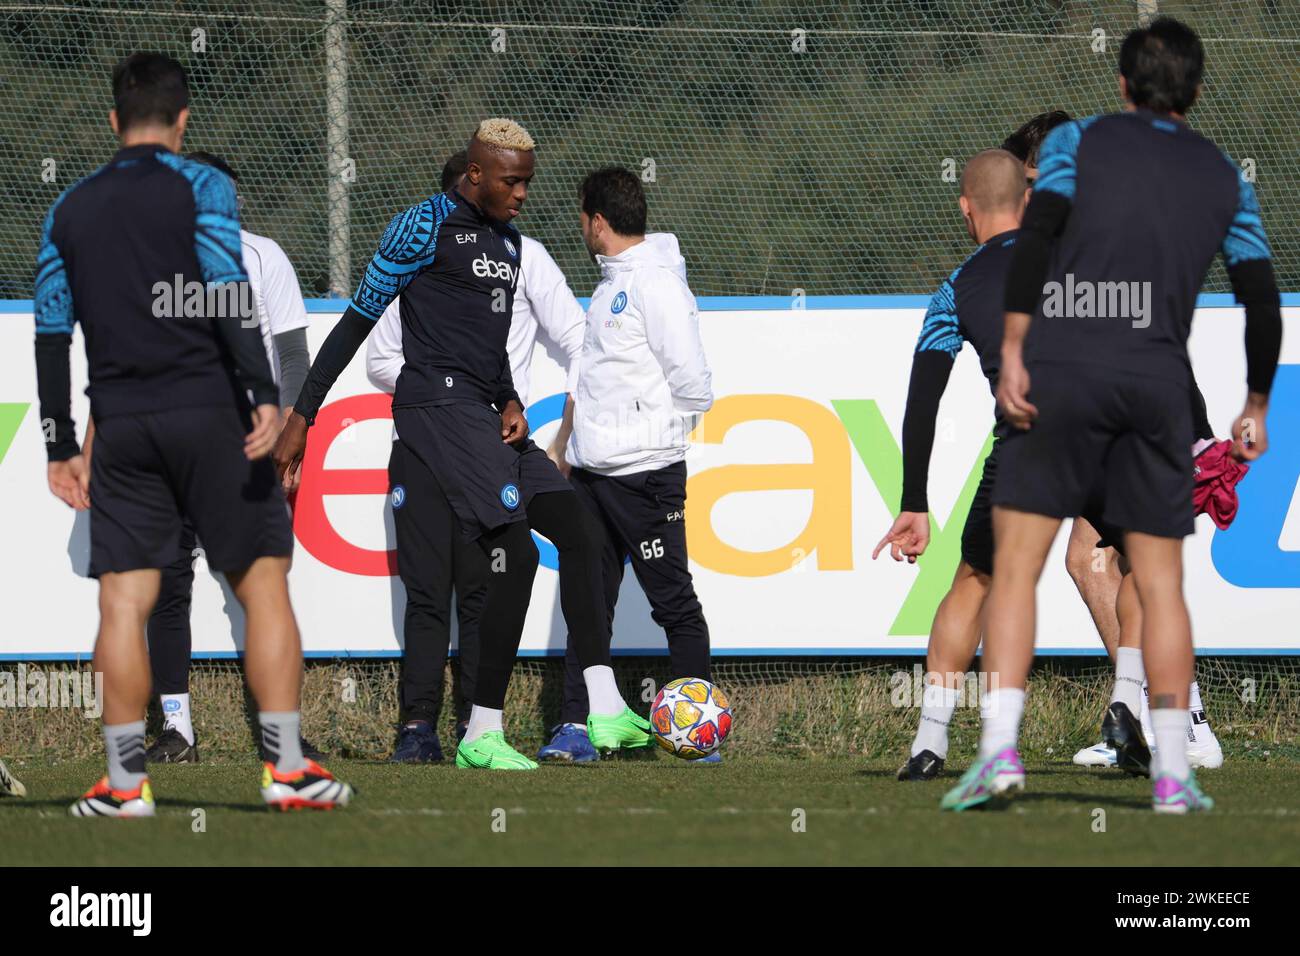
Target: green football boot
986,780
491,752
625,731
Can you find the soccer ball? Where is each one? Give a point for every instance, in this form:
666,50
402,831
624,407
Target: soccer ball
690,718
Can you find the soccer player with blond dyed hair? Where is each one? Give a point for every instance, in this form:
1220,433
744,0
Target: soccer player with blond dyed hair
454,259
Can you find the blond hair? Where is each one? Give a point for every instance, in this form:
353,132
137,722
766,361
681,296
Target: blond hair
501,133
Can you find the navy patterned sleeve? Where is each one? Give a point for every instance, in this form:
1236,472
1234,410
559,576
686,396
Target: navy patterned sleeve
1245,239
216,220
53,297
1249,262
941,332
406,248
937,347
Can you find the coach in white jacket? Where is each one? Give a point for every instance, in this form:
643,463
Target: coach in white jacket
643,382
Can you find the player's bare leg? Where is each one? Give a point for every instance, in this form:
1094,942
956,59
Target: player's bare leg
273,663
121,655
273,647
954,638
1096,573
1157,565
1021,543
125,601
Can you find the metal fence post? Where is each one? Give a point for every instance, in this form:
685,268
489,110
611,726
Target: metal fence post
336,138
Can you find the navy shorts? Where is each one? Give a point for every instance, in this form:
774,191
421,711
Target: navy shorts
977,534
487,482
1107,444
149,473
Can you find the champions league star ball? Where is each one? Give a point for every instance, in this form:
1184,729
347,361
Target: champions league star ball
690,718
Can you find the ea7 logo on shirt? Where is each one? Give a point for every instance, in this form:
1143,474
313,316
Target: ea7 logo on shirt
464,237
103,909
510,496
492,268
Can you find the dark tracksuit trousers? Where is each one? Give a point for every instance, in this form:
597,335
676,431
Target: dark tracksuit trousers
433,558
642,517
168,631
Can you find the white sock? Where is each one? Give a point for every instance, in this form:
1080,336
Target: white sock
1000,713
1200,731
602,693
1129,677
481,721
937,704
1148,731
1171,738
176,715
124,746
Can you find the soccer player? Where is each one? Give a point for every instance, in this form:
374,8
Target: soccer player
966,308
454,259
145,255
282,320
1130,206
431,553
642,385
1097,573
10,786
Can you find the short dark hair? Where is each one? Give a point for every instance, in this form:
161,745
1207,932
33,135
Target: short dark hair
149,87
454,169
212,159
1025,142
1162,66
616,194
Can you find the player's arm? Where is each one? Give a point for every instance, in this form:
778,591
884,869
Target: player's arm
67,472
384,357
565,322
937,347
1249,262
404,251
1044,219
672,331
286,317
514,426
1201,429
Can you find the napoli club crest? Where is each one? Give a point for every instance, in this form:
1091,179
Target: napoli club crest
399,496
510,496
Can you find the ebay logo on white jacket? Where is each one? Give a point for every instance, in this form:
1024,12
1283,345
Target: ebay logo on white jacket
643,379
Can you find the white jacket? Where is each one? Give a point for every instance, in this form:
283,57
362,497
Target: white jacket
643,380
276,294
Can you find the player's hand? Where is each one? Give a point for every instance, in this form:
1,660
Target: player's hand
289,448
1249,432
266,429
70,482
556,454
514,427
908,538
1013,392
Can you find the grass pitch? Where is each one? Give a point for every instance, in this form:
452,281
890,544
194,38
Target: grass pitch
656,812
